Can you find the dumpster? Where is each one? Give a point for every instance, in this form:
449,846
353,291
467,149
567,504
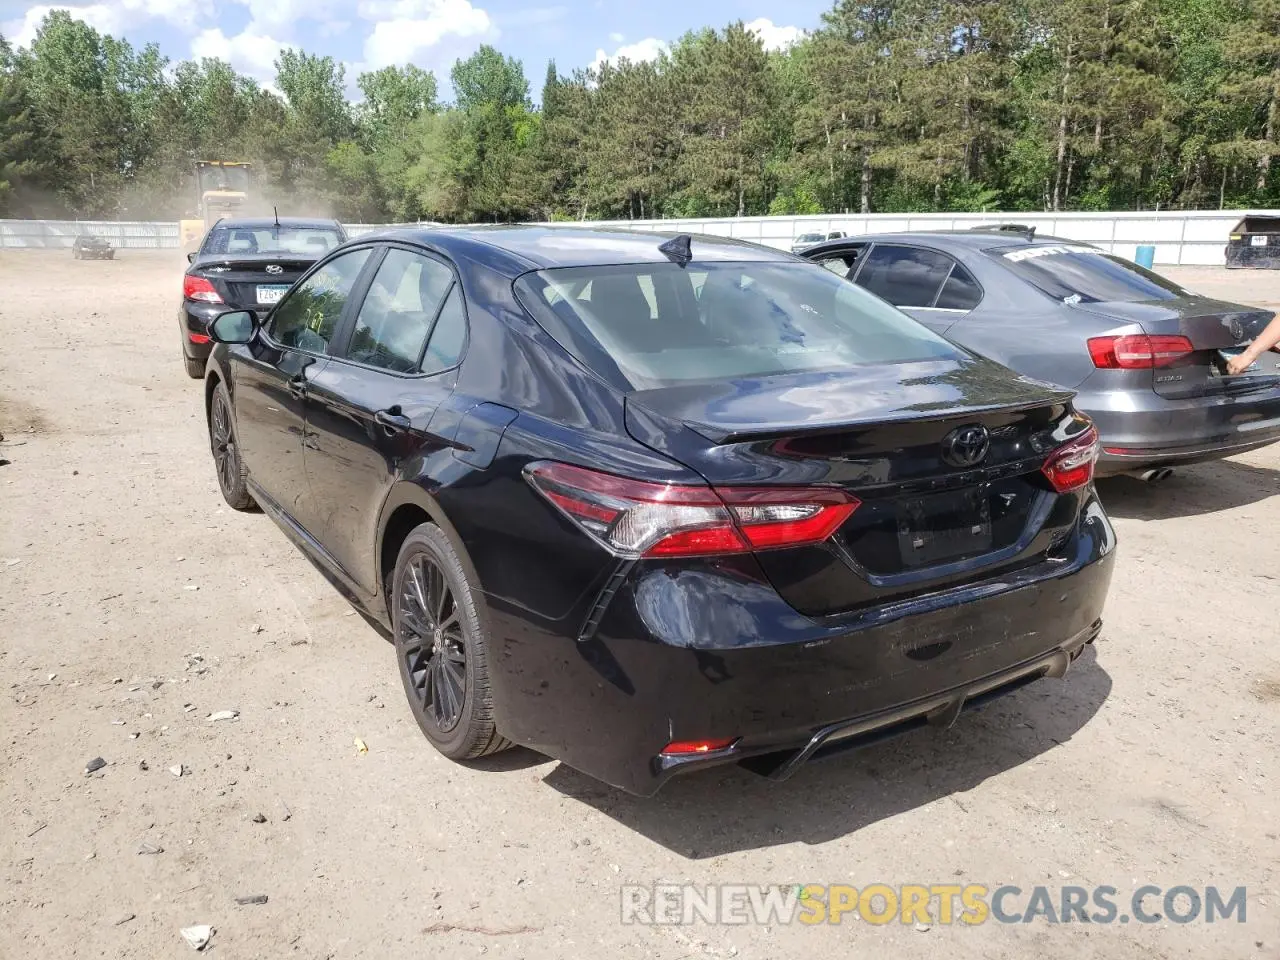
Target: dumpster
1255,244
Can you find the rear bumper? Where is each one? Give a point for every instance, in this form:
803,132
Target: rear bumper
709,653
194,318
1149,430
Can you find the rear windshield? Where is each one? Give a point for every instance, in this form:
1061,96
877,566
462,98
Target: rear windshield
1076,274
654,325
310,241
812,237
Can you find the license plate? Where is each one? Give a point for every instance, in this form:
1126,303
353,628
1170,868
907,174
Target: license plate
271,293
1258,240
944,526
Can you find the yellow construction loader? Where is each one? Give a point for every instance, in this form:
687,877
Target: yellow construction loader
224,192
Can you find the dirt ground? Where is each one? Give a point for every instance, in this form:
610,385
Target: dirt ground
134,604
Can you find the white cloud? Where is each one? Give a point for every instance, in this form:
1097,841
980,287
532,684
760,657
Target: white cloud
405,31
249,52
774,37
616,37
642,51
115,18
279,16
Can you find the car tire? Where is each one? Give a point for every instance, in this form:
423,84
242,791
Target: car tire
442,647
195,367
226,452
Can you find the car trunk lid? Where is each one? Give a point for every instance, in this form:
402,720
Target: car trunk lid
1210,326
252,282
934,510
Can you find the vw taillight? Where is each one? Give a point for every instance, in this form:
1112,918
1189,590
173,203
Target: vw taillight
1138,352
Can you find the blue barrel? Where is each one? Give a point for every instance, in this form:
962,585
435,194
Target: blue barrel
1146,256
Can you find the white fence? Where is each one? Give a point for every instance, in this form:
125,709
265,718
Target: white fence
1180,237
60,234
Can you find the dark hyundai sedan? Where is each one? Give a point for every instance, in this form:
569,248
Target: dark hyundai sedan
247,263
649,504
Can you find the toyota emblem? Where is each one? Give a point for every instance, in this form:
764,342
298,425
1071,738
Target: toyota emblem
966,446
274,268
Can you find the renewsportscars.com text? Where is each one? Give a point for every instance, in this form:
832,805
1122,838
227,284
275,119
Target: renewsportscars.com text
940,903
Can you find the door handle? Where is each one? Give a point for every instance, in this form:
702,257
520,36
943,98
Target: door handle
393,420
298,387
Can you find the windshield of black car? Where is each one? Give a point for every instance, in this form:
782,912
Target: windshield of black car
304,241
659,324
1079,274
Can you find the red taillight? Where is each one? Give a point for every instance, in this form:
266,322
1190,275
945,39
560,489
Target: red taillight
1070,467
635,518
197,338
1138,352
198,288
682,748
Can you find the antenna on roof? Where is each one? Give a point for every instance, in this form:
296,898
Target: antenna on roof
277,213
678,249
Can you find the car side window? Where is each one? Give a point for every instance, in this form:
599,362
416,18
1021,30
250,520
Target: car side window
309,314
845,263
960,292
448,336
905,276
396,316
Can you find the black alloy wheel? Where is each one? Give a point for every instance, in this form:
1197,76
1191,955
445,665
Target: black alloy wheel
441,646
226,453
430,636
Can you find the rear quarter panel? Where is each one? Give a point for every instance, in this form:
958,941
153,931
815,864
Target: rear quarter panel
1017,325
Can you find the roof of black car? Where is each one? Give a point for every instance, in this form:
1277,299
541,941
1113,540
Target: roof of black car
261,223
544,247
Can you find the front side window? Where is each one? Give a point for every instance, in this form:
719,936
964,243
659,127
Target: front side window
396,316
654,325
905,276
309,314
1078,274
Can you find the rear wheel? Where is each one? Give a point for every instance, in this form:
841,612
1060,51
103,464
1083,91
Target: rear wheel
195,368
442,648
226,452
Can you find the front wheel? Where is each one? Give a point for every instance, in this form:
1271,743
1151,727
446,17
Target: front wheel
226,452
442,648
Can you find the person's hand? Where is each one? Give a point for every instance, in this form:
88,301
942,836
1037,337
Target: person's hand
1240,363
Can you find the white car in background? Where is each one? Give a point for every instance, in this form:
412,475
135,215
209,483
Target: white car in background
806,240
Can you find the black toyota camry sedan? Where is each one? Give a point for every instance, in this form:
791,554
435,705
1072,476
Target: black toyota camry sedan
648,504
247,263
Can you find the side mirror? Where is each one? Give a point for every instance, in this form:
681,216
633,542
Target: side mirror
235,326
191,257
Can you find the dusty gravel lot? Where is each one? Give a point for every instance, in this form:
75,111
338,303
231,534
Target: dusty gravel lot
133,605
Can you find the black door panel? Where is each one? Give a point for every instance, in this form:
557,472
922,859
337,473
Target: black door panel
362,427
269,401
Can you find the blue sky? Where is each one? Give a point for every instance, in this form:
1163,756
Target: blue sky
365,34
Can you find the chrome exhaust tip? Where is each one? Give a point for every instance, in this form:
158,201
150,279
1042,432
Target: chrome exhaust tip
1152,474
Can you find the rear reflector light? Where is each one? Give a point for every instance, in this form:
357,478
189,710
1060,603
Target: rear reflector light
1070,467
1139,352
198,288
683,748
637,518
197,338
